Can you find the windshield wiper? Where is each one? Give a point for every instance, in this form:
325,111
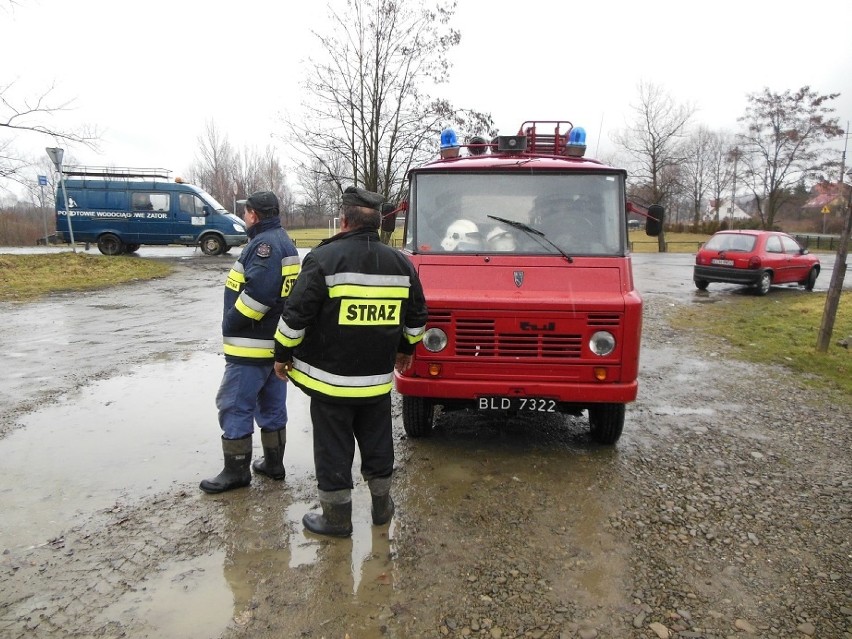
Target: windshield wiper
534,233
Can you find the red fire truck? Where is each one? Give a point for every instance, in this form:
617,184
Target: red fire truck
521,245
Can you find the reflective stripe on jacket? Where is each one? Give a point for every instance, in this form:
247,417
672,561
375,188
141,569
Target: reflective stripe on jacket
355,305
255,289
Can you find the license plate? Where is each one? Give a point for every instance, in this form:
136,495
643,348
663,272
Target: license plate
719,262
521,404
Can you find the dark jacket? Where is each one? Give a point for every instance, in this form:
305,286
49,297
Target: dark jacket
257,284
355,305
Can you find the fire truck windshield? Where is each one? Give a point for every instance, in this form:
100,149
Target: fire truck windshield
581,214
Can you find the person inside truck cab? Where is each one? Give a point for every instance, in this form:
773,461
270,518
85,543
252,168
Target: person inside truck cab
571,222
433,221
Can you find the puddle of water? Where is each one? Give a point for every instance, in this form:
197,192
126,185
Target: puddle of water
124,438
189,599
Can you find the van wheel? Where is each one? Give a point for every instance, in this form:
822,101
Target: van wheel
110,244
606,421
212,245
417,416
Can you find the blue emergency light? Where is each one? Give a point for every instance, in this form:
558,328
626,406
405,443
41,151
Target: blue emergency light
449,139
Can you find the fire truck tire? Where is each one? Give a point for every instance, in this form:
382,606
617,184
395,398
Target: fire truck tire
606,421
110,244
417,416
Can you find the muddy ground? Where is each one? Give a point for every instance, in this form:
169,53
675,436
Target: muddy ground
723,511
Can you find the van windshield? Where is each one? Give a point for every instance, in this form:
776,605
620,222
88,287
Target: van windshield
582,214
210,201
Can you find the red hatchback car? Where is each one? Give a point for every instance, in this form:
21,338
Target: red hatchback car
754,258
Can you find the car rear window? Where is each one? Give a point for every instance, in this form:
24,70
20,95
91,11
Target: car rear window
731,243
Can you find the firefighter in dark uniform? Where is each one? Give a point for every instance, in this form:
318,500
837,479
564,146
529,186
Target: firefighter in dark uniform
357,310
250,390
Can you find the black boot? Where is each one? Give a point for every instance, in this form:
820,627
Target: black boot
336,518
236,473
383,506
272,464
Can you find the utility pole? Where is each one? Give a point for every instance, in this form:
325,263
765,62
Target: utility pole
832,299
736,154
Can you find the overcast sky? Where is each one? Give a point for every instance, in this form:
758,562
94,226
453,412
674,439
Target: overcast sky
150,75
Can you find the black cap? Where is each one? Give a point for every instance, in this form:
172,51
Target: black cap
354,196
264,202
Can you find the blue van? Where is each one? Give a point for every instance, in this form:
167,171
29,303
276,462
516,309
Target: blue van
121,209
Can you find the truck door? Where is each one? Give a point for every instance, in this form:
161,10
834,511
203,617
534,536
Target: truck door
151,217
191,218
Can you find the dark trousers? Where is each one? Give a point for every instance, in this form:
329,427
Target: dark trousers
337,427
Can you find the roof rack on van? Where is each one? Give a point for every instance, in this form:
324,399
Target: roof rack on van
118,172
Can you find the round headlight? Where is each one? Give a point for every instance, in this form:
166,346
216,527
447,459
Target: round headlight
602,343
434,340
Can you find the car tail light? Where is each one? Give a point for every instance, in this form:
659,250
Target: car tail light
754,261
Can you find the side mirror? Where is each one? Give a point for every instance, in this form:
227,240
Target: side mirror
654,221
205,210
389,217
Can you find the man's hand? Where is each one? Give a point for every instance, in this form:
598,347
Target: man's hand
403,362
281,369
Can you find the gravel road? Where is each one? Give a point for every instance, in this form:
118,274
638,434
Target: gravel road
724,511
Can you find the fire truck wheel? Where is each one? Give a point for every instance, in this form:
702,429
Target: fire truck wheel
110,244
417,416
606,421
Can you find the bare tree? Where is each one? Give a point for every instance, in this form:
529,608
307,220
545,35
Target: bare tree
697,169
783,141
654,142
721,170
215,164
29,116
316,205
367,104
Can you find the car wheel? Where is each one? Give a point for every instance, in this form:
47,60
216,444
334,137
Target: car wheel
606,422
765,283
417,416
702,285
110,244
812,278
131,248
211,245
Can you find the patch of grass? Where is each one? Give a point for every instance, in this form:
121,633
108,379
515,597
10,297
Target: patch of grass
26,277
780,328
675,242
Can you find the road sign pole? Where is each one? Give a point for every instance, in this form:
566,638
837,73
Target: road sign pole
56,155
42,181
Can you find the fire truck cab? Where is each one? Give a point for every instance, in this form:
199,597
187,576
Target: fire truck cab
521,246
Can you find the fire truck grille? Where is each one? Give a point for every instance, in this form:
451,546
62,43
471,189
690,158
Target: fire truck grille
477,338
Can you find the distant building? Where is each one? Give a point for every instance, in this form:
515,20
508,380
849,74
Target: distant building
831,195
725,211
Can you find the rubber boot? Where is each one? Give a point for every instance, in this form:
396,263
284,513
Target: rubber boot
236,473
272,464
383,506
336,517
